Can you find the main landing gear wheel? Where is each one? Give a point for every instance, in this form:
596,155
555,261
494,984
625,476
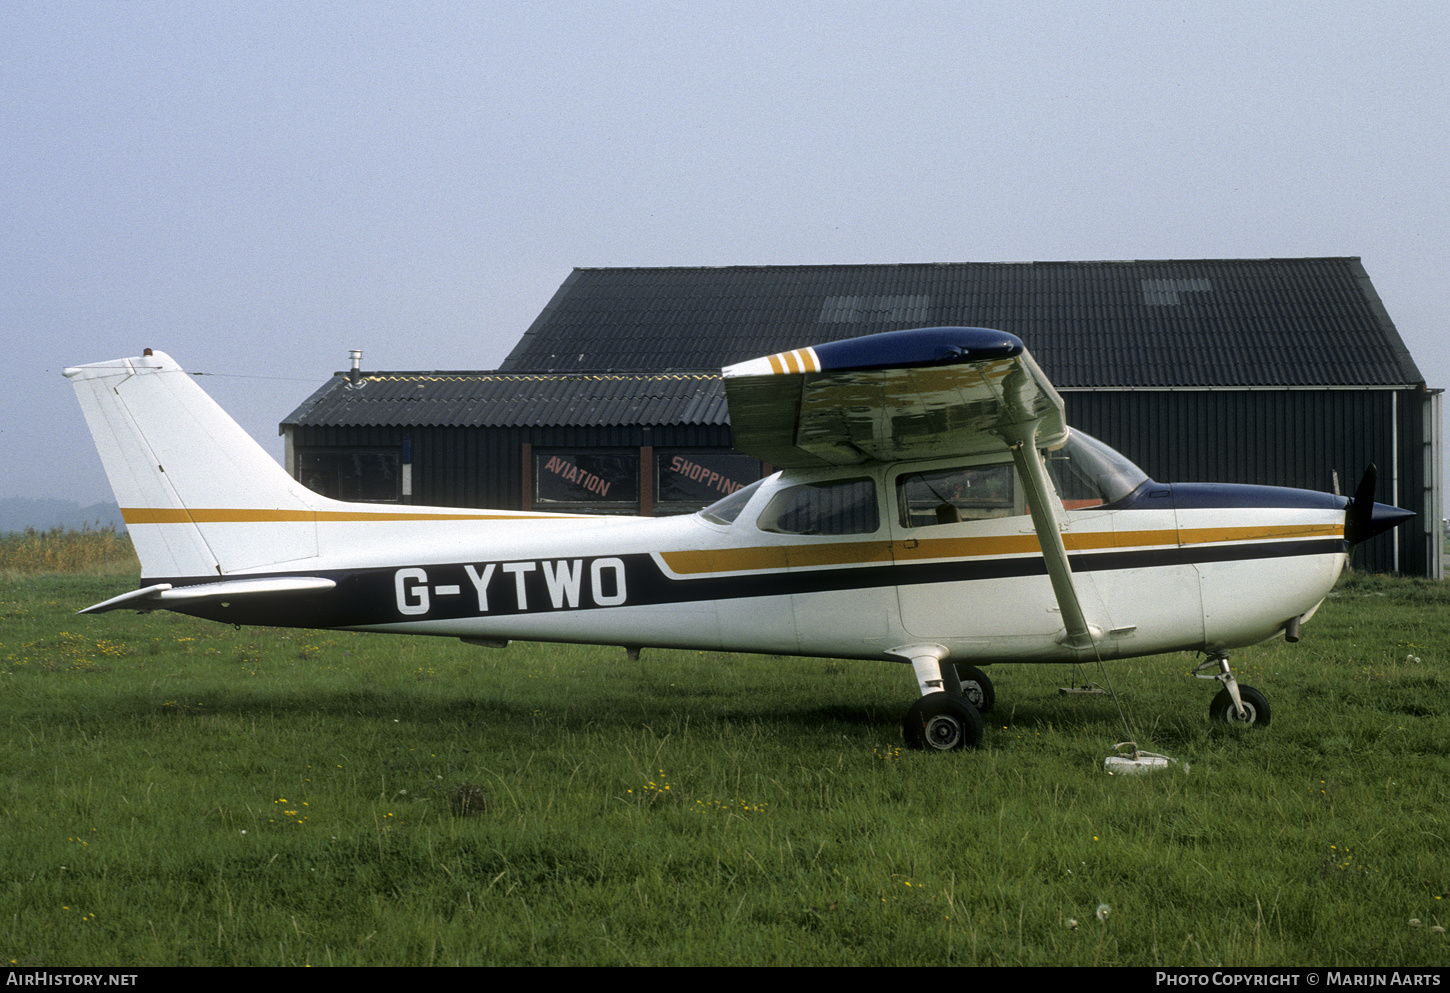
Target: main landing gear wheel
1256,707
976,687
942,722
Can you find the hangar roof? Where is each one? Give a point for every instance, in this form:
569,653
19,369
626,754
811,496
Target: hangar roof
491,399
644,346
1229,322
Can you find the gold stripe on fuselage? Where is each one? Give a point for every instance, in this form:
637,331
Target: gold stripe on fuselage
149,515
867,553
770,558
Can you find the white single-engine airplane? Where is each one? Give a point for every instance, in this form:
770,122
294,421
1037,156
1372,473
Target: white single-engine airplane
933,508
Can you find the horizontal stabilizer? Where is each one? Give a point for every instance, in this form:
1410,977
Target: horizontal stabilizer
164,595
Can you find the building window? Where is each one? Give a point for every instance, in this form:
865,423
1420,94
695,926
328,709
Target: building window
686,480
601,482
355,475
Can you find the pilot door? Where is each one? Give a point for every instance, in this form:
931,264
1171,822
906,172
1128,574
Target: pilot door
968,562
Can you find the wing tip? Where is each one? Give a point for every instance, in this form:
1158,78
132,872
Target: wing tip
886,350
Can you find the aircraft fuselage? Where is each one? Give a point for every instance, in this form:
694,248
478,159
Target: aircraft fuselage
1170,567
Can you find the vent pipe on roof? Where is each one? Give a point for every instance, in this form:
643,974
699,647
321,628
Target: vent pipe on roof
354,376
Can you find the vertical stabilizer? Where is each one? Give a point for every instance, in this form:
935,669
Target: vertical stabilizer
199,496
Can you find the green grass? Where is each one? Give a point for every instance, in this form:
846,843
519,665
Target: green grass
180,792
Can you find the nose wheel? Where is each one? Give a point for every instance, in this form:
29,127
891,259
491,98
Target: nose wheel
1234,704
1255,704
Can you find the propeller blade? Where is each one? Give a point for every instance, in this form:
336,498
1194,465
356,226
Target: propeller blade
1358,515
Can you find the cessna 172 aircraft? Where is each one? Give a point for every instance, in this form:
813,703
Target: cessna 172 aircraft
932,508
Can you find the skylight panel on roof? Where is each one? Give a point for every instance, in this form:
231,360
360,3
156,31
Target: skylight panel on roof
875,309
1164,292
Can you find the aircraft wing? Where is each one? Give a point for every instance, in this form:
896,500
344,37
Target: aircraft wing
892,397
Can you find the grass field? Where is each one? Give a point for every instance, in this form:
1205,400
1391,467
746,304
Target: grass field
181,792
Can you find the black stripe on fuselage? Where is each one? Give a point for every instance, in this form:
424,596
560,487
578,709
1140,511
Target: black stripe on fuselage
450,591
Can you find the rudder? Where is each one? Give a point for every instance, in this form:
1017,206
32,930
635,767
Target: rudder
199,496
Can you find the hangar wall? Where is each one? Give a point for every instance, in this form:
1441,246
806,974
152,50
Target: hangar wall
1300,438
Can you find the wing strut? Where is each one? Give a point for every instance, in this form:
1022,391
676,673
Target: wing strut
1078,634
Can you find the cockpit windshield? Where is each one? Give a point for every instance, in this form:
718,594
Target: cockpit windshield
1087,473
726,509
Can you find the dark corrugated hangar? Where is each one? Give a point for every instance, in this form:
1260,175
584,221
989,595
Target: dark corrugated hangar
1285,372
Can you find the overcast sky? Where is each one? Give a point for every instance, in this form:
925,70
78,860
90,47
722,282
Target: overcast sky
258,187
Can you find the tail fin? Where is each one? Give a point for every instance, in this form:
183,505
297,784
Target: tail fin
185,474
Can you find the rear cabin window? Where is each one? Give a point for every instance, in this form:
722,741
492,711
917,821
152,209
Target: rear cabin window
951,496
846,506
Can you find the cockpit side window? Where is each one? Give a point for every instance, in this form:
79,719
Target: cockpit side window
963,493
843,506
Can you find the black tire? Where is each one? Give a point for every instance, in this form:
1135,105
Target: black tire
942,722
1256,707
976,687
